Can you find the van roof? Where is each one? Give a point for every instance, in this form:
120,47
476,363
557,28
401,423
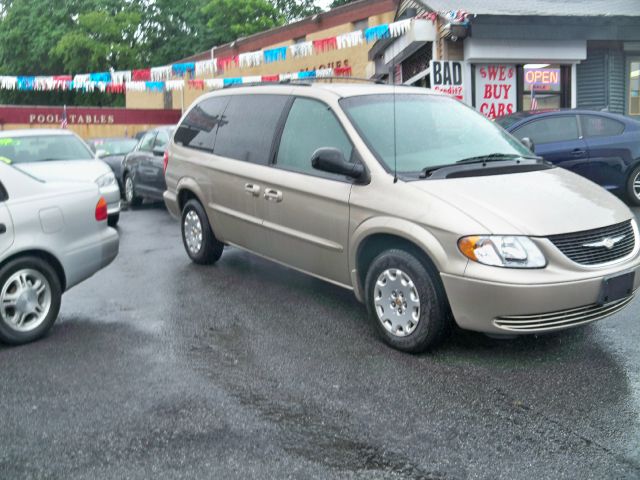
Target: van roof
340,89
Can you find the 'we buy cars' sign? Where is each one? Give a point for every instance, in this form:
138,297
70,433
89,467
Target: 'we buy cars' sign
447,77
496,89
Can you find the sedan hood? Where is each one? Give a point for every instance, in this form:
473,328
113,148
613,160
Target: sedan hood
542,203
66,170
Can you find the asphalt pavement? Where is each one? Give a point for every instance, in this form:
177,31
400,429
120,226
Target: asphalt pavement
158,368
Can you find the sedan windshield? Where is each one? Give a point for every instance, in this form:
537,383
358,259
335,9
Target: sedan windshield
113,146
43,148
430,131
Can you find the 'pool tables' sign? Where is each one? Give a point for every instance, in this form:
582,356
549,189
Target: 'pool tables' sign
447,77
52,116
496,89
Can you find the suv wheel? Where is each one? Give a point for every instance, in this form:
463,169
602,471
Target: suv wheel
201,244
130,192
633,187
406,300
30,296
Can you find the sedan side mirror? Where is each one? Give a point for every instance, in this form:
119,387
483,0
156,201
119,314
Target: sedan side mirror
101,153
332,160
158,152
527,142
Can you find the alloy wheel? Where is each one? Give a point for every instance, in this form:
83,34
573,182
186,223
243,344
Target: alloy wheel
25,300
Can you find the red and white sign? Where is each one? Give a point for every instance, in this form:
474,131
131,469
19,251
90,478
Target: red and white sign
496,89
447,77
87,116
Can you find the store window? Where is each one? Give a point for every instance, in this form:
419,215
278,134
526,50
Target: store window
543,87
634,87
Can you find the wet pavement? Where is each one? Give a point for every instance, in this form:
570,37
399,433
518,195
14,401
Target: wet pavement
158,368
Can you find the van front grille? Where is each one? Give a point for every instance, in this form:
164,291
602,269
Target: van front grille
598,246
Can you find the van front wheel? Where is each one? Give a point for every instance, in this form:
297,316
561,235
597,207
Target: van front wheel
201,244
406,301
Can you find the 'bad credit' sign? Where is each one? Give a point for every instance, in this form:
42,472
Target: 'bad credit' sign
447,77
496,89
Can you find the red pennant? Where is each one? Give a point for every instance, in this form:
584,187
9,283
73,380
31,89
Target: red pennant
143,75
325,44
342,71
197,83
271,78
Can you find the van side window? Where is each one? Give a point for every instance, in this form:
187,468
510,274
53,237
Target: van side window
199,127
310,125
248,128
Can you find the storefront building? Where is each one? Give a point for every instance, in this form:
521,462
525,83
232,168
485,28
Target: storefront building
522,56
354,61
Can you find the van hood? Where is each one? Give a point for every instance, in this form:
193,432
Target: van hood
66,170
542,203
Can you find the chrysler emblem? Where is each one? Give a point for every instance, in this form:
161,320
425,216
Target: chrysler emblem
608,242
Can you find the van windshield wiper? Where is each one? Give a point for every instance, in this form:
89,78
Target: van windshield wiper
484,159
493,157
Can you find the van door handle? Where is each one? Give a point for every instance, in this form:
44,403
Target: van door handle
252,189
3,228
272,195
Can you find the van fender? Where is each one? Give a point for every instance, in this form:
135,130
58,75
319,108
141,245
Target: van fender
404,229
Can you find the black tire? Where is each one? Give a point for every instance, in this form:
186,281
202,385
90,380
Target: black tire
211,248
632,198
112,220
134,200
434,318
8,334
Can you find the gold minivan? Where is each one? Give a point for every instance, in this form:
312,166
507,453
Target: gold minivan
430,213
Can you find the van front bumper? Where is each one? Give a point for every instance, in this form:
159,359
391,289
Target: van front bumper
504,308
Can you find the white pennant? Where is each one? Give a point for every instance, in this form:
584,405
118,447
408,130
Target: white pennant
136,86
304,49
172,85
205,67
121,76
250,59
351,39
214,83
399,28
159,74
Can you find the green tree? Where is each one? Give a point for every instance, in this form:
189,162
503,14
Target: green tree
339,3
232,19
296,9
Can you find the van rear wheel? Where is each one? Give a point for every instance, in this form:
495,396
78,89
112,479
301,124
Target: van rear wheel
406,301
198,238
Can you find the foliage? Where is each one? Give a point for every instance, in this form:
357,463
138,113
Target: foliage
339,3
231,19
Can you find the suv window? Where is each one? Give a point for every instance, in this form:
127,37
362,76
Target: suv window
146,144
310,125
249,126
551,129
198,129
597,126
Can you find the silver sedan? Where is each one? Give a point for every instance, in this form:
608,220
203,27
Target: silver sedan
52,237
60,155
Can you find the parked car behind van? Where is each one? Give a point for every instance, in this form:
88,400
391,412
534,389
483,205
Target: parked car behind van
430,213
112,151
603,147
143,167
60,155
52,237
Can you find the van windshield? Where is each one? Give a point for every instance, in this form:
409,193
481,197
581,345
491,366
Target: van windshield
430,131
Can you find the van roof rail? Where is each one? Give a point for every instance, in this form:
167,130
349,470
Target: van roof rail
331,79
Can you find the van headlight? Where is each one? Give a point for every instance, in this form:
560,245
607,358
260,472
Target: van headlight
502,251
106,180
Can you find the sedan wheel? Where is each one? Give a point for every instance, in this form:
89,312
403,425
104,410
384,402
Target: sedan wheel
130,192
30,296
633,187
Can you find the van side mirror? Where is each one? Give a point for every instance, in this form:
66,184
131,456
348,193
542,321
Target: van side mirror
527,142
332,160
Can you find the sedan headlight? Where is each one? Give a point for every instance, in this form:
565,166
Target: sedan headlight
502,251
106,180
